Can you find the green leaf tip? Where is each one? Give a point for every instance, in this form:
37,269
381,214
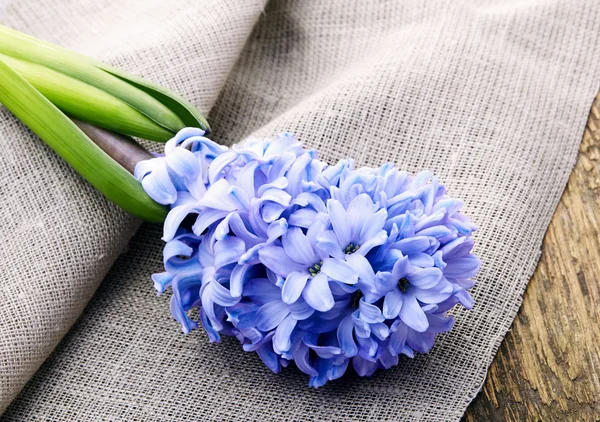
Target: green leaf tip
102,95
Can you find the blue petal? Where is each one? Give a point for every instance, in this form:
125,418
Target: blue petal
425,278
302,218
208,306
437,294
449,206
361,328
388,360
238,227
302,358
158,185
421,342
366,276
205,219
373,225
340,221
385,282
360,211
218,197
270,315
222,296
180,316
271,211
346,338
298,247
336,371
183,162
145,167
275,258
462,267
325,352
242,315
293,286
431,220
369,313
174,218
392,304
162,281
222,230
320,225
176,248
238,197
412,314
269,357
328,242
261,291
277,184
413,245
277,229
439,324
228,251
301,310
296,174
397,338
339,270
278,196
367,347
323,366
186,133
219,164
213,335
401,268
459,247
281,339
436,231
421,260
318,294
239,276
313,200
377,240
251,255
380,330
363,367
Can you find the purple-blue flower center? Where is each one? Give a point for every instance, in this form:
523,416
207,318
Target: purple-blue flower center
403,284
315,269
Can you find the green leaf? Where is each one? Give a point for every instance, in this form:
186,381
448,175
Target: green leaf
68,141
86,102
162,106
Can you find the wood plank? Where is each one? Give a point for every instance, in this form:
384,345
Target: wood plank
548,366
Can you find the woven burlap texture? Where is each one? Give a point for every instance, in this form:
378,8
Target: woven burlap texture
492,96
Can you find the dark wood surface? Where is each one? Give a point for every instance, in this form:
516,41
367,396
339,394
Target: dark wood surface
548,366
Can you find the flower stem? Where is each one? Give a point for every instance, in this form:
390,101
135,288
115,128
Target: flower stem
123,149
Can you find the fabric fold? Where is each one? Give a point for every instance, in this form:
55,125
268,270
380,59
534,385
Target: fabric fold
59,236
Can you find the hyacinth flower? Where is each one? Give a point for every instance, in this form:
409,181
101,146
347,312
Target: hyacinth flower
329,267
86,111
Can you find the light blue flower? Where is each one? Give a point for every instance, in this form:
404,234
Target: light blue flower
307,270
325,266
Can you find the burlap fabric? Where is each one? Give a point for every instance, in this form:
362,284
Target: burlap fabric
490,95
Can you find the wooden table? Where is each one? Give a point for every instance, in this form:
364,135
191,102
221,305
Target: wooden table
548,366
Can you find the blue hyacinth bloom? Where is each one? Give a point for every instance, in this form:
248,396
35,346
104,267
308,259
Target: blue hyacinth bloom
330,267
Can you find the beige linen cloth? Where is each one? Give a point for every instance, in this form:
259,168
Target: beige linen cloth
490,95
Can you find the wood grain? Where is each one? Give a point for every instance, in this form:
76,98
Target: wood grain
548,366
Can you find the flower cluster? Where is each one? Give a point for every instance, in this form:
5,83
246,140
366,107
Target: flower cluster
323,265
